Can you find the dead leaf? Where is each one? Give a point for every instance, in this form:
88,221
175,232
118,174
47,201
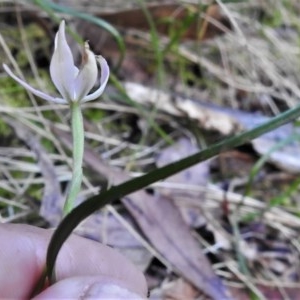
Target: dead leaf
235,163
51,203
286,157
206,117
107,229
180,290
168,17
197,174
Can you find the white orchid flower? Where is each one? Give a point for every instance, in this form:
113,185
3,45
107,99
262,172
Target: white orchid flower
73,84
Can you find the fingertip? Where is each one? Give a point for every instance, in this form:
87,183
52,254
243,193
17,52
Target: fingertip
88,288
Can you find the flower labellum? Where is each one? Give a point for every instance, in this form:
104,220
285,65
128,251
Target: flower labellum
72,83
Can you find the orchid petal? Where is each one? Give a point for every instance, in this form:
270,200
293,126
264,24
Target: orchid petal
103,80
33,90
62,68
87,76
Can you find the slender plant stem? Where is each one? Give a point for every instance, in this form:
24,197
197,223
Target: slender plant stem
78,148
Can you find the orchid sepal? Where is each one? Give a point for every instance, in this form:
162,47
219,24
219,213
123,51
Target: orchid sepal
31,89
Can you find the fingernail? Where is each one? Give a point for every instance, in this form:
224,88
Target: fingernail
109,291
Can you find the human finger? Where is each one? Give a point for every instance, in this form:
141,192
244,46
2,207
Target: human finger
22,258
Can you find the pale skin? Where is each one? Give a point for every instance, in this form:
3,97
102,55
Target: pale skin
84,268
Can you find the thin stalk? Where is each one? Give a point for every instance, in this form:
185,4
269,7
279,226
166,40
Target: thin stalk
78,148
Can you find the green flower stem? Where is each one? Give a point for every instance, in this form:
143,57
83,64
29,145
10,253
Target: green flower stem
78,148
75,185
